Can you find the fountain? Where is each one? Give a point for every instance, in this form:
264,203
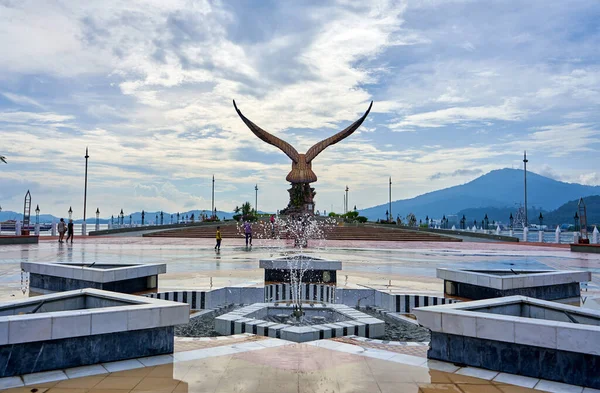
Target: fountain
300,294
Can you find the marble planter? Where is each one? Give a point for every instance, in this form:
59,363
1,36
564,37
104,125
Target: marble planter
558,285
58,277
81,327
518,335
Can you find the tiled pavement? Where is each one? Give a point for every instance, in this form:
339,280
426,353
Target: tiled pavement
271,365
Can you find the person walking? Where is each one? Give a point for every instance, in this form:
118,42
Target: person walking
218,237
272,225
248,232
62,228
70,231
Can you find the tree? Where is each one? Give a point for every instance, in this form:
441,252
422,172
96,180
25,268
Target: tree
246,208
411,220
236,210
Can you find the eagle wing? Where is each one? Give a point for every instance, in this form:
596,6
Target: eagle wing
319,147
269,138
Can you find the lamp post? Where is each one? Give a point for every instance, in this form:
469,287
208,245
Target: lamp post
97,219
156,219
161,217
213,198
70,212
525,161
541,229
130,220
171,219
83,229
37,214
112,220
444,221
576,219
122,216
463,222
256,198
487,222
177,217
346,206
387,216
143,216
427,221
541,218
390,198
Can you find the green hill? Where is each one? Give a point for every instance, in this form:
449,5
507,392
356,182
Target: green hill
565,213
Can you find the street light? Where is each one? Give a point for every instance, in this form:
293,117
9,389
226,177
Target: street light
122,216
156,219
143,216
444,221
161,217
171,219
427,221
97,218
541,218
387,216
511,220
130,220
112,220
37,214
256,198
70,212
576,218
178,217
487,221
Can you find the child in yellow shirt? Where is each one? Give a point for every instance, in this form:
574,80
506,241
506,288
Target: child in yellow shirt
218,246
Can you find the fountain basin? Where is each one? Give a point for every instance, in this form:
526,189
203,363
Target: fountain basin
262,319
81,327
542,284
518,335
58,277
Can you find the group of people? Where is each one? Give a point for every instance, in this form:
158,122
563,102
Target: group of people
247,232
64,227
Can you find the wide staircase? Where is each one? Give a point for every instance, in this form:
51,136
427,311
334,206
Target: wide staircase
346,232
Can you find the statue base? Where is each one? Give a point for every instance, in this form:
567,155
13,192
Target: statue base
301,200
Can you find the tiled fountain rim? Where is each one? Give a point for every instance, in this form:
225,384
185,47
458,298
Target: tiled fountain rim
84,272
359,323
464,319
140,313
309,261
525,278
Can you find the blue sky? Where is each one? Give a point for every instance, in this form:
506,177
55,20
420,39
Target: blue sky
460,88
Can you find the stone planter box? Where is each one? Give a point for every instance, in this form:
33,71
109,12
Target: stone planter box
348,321
7,240
83,327
518,335
541,284
58,277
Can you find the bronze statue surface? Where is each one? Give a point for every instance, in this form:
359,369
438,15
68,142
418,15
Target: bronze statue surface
301,163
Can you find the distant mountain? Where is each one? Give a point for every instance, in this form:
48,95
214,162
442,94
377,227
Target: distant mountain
501,188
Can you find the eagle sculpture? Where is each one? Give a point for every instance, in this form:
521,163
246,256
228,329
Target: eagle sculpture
301,163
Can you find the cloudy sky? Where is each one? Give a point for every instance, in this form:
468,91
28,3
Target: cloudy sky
460,88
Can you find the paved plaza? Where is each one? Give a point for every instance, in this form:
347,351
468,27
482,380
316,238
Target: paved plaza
394,266
248,363
238,364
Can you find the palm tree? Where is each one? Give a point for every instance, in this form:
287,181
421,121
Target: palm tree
246,209
3,159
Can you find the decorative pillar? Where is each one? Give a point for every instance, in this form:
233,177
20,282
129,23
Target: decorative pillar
525,233
53,228
84,228
541,236
557,235
18,228
595,235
